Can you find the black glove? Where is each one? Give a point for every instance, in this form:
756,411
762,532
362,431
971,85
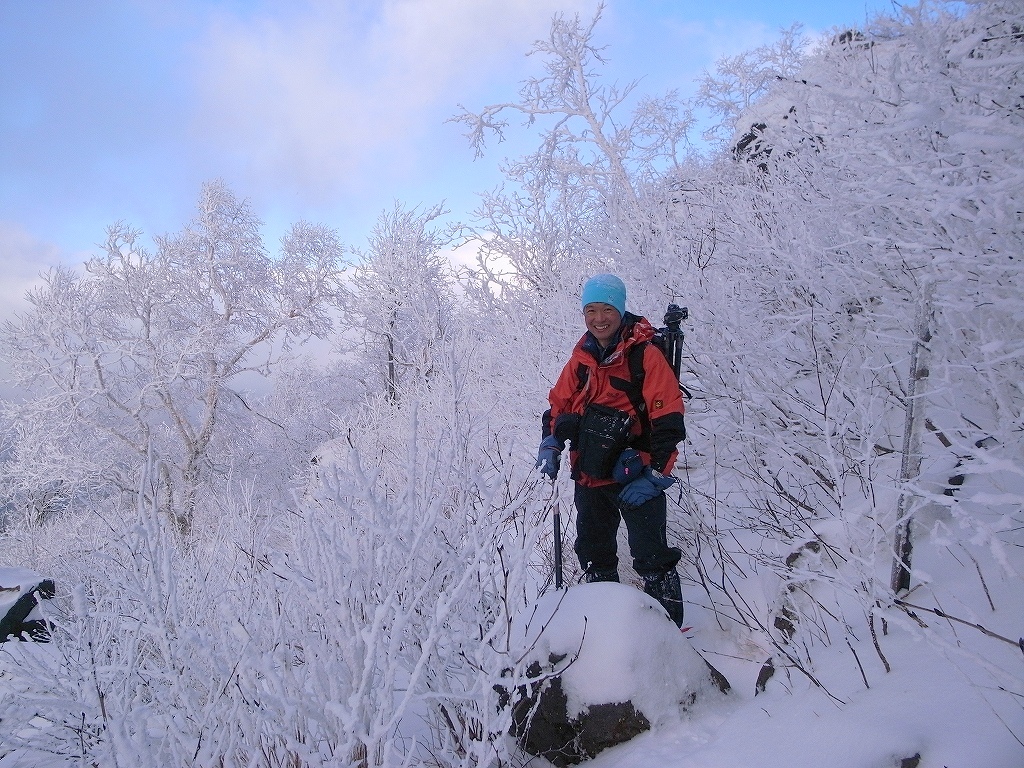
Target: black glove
549,456
645,488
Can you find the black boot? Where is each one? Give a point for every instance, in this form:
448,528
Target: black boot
664,587
593,575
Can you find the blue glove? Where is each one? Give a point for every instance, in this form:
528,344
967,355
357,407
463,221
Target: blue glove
629,467
549,456
645,488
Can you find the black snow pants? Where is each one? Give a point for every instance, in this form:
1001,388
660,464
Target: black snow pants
598,513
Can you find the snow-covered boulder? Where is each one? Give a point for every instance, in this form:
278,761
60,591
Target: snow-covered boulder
20,593
605,663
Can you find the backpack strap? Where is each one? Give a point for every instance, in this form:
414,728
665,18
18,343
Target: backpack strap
582,375
634,390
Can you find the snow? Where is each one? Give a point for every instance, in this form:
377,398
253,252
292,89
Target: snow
367,615
923,707
620,646
930,703
945,697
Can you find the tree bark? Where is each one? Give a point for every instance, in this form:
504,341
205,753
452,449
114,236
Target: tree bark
913,426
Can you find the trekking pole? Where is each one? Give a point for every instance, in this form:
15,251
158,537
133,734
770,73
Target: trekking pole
556,519
553,505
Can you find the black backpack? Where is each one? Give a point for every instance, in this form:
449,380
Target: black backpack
669,341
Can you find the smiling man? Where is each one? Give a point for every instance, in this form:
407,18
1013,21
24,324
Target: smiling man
617,401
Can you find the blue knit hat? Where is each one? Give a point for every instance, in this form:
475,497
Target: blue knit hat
607,289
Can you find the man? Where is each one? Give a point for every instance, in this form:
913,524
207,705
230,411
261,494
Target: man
617,401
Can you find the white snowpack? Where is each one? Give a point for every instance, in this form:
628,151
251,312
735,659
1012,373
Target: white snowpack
620,646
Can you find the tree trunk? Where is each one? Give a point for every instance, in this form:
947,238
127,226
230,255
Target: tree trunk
392,374
912,429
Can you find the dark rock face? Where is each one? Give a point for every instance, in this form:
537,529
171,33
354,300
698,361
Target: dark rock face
542,725
20,594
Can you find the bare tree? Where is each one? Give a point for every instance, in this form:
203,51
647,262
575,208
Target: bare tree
592,153
399,299
144,353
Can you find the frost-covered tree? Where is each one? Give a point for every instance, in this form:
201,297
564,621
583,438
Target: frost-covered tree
741,82
367,627
865,253
590,176
399,301
900,145
145,354
819,253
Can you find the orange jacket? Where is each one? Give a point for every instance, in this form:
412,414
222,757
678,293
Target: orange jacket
587,379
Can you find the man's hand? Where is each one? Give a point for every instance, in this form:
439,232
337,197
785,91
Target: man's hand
645,488
549,456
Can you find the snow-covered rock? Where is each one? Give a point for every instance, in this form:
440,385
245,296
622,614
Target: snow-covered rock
605,663
20,593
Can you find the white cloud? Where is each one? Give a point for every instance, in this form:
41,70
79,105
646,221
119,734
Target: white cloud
22,260
723,37
464,256
317,100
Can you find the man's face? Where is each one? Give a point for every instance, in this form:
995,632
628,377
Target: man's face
602,320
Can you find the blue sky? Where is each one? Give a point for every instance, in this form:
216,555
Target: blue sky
312,109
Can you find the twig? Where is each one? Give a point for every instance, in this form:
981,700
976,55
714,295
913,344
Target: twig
789,657
874,639
863,676
980,576
942,614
